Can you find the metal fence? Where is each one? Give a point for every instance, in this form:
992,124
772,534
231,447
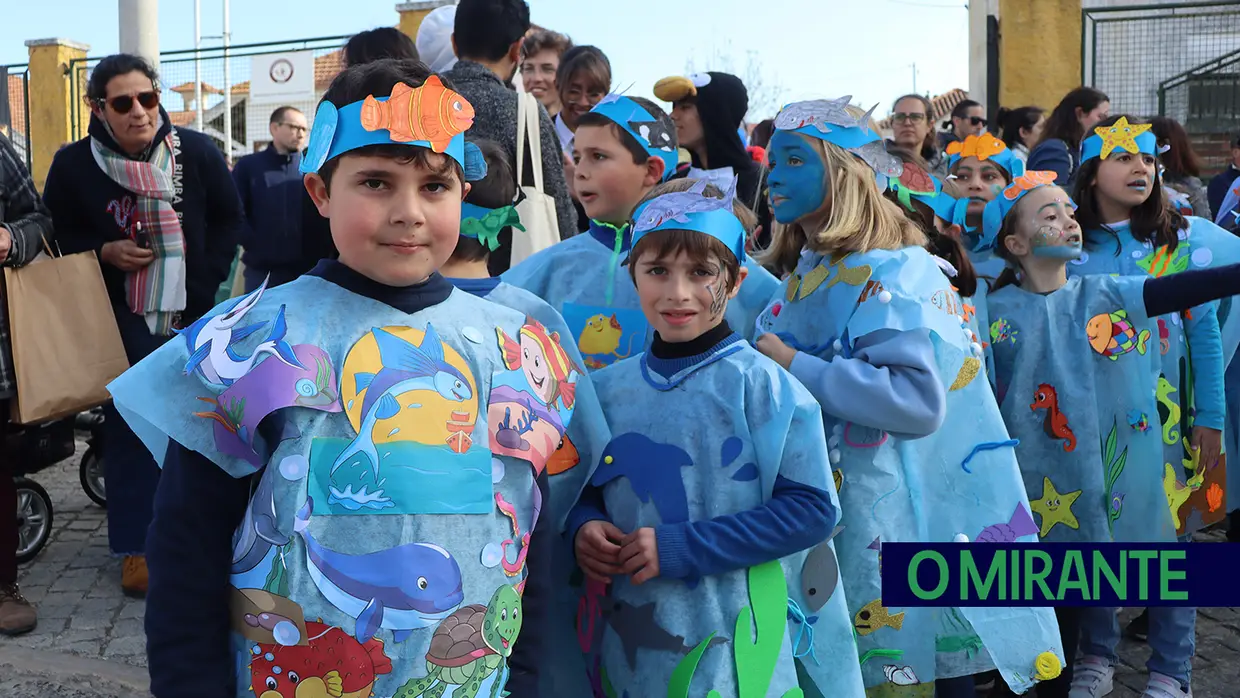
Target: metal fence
214,68
15,109
1128,51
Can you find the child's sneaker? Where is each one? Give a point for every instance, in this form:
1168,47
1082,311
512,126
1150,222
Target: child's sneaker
1093,677
1163,686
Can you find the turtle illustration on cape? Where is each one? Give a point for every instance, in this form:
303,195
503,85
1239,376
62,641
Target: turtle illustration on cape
468,646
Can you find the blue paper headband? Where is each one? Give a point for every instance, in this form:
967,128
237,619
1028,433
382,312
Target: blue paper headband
1132,138
693,210
398,120
986,148
998,208
829,120
642,125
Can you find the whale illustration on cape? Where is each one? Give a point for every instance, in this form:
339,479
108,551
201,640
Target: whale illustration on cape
401,589
258,532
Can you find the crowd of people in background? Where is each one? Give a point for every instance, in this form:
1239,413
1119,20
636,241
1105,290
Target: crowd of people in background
166,214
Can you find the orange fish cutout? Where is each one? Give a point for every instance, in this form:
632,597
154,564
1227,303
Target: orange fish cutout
980,147
564,458
1028,181
430,113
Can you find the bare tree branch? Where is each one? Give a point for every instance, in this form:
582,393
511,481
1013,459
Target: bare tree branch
765,91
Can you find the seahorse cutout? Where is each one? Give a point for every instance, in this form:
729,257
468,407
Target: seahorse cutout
1171,435
601,336
1056,422
1177,494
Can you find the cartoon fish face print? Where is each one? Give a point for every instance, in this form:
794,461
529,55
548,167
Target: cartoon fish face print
874,616
1098,330
601,335
534,365
332,664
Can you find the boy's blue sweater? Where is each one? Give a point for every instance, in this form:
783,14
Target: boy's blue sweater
198,507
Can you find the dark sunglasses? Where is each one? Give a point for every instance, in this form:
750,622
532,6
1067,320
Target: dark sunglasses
977,120
124,103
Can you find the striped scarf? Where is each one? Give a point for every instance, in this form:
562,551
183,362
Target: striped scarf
156,291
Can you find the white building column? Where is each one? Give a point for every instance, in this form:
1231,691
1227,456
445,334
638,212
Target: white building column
139,25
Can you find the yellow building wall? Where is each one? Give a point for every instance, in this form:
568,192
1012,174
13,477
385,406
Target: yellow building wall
1039,51
412,14
51,101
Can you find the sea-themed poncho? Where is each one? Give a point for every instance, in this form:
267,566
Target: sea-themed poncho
1076,375
705,483
564,671
583,278
961,479
1193,392
385,512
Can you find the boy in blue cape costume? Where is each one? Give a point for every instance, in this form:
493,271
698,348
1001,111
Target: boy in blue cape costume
1077,377
578,277
328,515
918,446
487,210
695,522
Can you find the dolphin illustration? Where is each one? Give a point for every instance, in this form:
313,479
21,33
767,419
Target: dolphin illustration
210,341
406,368
258,533
404,588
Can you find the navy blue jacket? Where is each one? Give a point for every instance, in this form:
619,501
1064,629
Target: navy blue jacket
89,209
271,188
1219,184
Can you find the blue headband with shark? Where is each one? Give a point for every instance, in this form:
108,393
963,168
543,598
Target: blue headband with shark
1132,138
658,141
693,210
829,120
392,121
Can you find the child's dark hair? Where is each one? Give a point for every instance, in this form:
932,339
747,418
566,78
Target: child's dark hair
762,132
374,44
945,246
698,246
636,149
496,190
1155,221
355,83
487,29
1011,121
1063,123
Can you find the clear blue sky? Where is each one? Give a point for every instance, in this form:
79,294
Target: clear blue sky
803,49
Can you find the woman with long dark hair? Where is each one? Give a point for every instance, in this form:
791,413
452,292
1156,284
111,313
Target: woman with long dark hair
1058,150
1020,128
1181,164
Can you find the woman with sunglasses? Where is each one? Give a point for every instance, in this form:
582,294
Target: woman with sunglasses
158,205
912,129
968,119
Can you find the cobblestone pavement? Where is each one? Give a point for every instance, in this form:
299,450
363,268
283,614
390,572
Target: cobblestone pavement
90,641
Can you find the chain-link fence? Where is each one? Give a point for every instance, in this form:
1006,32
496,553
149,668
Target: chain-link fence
15,109
289,73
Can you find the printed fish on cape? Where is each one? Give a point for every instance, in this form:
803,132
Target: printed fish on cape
211,339
822,114
430,113
406,368
677,206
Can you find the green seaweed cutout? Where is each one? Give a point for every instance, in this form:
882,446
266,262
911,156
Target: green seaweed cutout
234,412
1115,466
969,644
881,654
756,659
322,375
277,578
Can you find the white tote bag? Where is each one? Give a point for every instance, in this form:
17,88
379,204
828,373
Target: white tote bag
536,208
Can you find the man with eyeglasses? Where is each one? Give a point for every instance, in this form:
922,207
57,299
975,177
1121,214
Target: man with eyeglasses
157,204
270,186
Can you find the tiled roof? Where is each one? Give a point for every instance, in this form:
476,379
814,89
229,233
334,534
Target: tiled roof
187,88
17,103
181,118
940,107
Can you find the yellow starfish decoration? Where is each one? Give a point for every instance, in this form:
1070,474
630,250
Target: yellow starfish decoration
1055,508
1177,494
1120,135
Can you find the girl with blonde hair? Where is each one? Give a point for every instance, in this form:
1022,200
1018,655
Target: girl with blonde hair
868,321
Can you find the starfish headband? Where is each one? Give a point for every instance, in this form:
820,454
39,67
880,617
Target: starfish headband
1121,135
484,224
693,210
985,148
998,209
658,141
829,120
430,116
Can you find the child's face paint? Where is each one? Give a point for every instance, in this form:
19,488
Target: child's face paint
979,181
1045,227
606,180
798,177
1124,181
683,298
392,221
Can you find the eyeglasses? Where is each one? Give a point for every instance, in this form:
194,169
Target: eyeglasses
297,128
900,117
124,103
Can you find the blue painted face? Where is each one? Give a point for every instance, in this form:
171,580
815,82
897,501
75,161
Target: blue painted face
797,178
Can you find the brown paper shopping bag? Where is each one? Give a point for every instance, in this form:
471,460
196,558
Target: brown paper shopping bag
66,347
